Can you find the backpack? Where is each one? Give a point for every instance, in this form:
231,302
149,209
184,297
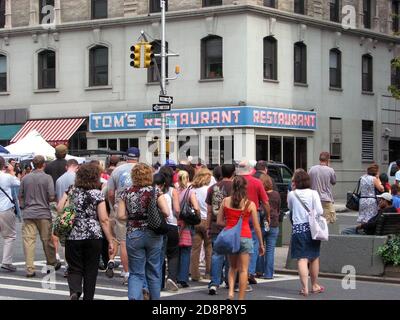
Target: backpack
218,194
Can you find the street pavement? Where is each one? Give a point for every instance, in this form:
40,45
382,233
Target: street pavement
15,286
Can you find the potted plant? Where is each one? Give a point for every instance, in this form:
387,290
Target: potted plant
390,253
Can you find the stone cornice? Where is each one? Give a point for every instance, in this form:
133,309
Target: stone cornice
201,13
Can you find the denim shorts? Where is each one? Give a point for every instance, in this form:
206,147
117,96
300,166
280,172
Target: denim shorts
246,245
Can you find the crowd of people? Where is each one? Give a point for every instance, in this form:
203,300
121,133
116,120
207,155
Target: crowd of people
111,208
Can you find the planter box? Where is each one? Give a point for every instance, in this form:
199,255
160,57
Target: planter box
392,271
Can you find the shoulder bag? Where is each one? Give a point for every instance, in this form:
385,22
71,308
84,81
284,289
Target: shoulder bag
188,214
155,219
353,199
228,240
318,224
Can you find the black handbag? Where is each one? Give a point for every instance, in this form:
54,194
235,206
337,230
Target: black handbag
188,214
155,219
353,199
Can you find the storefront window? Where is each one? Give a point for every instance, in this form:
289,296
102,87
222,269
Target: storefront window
301,153
124,144
226,149
112,144
102,143
261,148
288,152
276,149
212,150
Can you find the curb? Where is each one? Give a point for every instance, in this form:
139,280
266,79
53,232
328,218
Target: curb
341,276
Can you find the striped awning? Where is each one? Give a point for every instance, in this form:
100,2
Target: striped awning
53,131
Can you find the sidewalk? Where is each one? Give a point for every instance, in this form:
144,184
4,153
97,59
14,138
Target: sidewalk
340,206
280,268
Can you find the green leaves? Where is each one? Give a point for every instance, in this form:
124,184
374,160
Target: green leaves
390,252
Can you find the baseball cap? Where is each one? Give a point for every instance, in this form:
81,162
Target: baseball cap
133,153
387,196
170,163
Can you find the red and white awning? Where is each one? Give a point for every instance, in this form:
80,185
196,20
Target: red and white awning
53,131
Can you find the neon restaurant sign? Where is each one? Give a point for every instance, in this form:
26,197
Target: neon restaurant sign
205,118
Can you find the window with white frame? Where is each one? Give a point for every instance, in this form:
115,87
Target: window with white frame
335,138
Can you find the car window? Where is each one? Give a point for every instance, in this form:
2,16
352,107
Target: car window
275,174
286,175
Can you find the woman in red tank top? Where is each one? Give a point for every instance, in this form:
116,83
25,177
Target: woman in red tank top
229,214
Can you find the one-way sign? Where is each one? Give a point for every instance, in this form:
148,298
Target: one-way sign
161,107
166,99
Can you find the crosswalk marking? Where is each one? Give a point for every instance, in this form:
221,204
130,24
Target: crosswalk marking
281,298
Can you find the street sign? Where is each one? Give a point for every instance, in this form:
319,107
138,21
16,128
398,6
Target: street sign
166,99
161,107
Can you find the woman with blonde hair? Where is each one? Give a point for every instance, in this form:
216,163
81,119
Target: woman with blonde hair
143,244
186,193
200,185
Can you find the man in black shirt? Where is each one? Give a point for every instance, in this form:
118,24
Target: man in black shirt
58,167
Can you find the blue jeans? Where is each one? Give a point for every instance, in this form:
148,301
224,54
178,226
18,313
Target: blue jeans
218,262
270,242
184,264
144,250
254,255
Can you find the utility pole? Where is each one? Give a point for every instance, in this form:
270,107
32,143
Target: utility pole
163,153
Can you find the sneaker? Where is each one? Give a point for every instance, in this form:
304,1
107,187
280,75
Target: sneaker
183,284
102,267
116,264
110,269
74,296
171,286
9,267
212,290
57,266
146,294
248,289
123,274
252,279
126,278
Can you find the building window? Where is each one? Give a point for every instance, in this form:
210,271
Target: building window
270,58
152,74
211,57
334,10
367,140
155,6
99,9
367,73
396,15
395,75
45,8
300,63
367,13
269,3
3,73
335,68
124,144
98,66
47,70
210,3
2,13
336,138
299,6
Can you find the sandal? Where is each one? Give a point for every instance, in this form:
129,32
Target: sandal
320,290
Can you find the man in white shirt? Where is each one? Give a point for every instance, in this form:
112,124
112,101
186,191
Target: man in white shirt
7,214
397,177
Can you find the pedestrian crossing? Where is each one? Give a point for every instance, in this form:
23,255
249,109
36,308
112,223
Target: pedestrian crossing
53,286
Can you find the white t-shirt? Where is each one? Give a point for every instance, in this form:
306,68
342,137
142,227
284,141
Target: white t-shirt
310,198
201,195
7,181
171,219
397,177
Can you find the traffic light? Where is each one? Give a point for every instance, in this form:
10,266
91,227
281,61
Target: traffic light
148,55
135,55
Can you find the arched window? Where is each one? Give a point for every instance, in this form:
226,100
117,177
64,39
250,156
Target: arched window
98,66
270,58
99,9
47,69
335,68
367,83
152,73
300,62
211,57
3,73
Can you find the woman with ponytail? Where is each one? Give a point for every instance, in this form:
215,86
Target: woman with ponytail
232,208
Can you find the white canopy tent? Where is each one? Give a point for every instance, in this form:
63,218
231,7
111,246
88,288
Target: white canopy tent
33,143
